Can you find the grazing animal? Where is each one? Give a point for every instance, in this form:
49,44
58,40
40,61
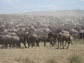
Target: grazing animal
23,38
64,37
12,41
32,40
43,39
74,33
52,37
4,40
81,35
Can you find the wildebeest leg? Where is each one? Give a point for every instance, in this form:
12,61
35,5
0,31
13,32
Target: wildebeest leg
13,45
5,45
62,43
54,42
32,43
37,43
19,45
58,45
44,43
65,43
10,45
28,44
71,42
51,43
68,44
25,44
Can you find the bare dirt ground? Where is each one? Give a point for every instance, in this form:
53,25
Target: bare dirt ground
41,54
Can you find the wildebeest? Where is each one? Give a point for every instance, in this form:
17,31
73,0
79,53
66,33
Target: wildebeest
23,38
52,37
12,41
74,33
81,35
15,36
64,36
43,39
33,40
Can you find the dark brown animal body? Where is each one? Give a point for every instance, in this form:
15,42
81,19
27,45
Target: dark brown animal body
64,37
12,41
33,40
52,37
74,33
43,39
81,35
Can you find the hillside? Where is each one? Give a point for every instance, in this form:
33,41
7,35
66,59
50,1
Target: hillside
59,13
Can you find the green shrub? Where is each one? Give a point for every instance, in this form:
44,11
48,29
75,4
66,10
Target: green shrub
74,59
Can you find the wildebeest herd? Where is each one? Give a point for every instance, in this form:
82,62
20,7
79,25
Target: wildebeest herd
14,37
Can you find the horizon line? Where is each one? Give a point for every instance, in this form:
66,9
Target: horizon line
41,11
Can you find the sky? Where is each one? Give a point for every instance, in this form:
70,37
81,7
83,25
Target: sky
22,6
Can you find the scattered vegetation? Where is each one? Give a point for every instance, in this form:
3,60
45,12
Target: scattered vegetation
52,60
74,59
77,41
23,60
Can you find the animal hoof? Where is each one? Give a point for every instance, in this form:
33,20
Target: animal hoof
67,48
63,47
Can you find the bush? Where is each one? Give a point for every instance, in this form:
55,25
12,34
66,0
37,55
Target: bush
74,59
24,60
51,61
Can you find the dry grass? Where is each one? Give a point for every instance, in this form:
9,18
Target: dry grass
41,54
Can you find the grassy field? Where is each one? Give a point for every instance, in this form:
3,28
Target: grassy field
48,54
